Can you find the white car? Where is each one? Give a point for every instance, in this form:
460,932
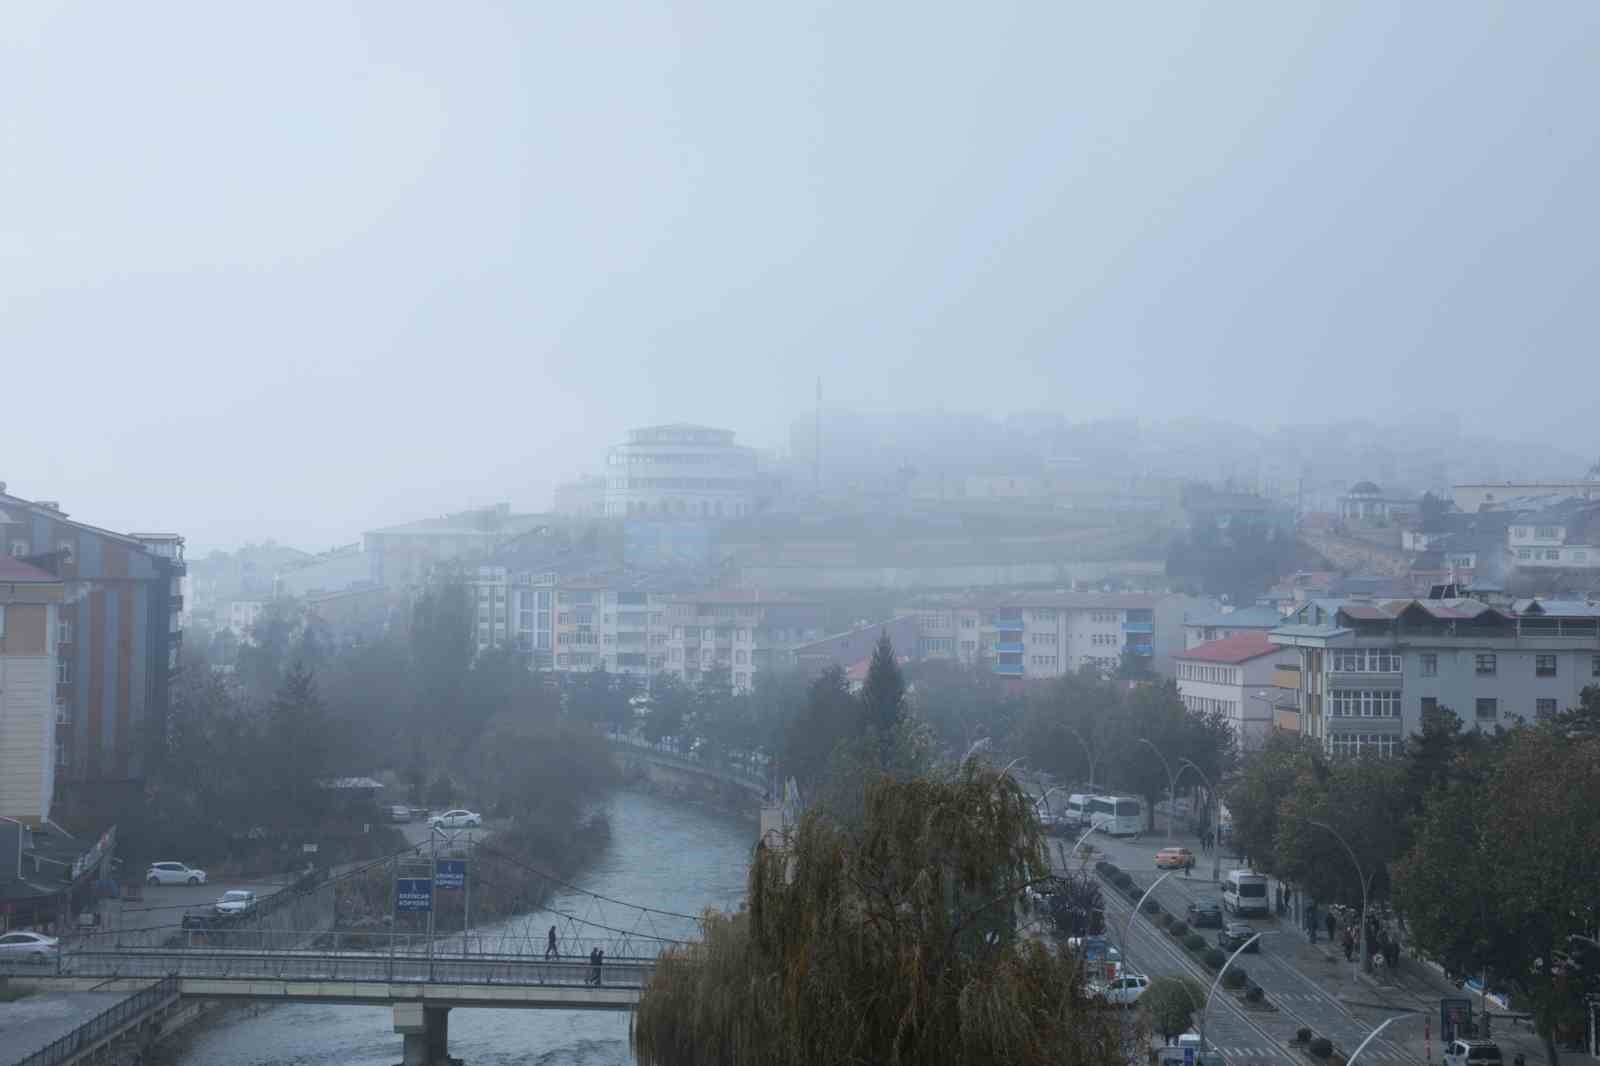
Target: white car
174,873
28,947
236,901
1122,990
456,820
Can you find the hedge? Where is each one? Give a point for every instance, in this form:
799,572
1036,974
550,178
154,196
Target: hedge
1303,1034
1321,1047
1180,929
1194,942
1152,907
1235,978
1214,958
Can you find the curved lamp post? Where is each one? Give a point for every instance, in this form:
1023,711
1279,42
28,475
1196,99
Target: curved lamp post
1205,1008
1172,784
1361,934
1127,924
1087,750
1384,1025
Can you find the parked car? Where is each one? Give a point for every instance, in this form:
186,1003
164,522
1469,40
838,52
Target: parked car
28,947
174,873
1230,936
399,812
236,901
1202,913
1174,858
457,819
1122,990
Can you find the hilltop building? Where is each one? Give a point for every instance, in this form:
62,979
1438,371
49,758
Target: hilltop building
681,471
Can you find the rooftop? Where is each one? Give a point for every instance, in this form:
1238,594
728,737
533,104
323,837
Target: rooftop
1243,618
1239,648
17,572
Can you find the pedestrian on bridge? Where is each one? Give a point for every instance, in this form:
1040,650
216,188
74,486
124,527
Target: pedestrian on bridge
550,951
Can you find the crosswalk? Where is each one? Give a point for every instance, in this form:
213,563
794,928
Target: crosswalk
1236,1055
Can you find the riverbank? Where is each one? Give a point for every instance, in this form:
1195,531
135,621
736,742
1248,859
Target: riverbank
727,800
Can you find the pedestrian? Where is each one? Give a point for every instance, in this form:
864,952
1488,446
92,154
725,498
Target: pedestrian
1280,900
1349,945
599,960
550,951
1391,952
1188,864
1332,925
594,967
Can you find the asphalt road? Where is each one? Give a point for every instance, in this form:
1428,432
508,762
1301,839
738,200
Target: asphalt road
1300,983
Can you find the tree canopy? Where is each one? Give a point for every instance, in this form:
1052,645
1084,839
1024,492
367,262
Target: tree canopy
891,941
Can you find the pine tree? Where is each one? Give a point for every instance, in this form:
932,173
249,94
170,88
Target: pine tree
883,697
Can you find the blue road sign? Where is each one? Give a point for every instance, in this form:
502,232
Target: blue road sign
413,894
1188,1056
450,873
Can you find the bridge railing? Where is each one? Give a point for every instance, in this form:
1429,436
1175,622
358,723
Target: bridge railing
737,772
620,946
107,1023
409,967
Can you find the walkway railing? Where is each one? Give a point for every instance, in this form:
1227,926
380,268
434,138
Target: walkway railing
106,1024
729,770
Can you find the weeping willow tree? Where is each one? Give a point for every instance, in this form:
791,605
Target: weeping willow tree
887,941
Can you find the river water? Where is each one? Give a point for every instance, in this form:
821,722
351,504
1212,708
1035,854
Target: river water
662,854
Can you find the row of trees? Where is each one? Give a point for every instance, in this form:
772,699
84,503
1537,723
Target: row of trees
1487,845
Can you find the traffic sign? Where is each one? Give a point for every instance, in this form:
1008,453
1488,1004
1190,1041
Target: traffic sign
450,873
413,894
1188,1056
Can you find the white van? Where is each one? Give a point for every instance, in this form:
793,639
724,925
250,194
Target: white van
1245,892
1076,812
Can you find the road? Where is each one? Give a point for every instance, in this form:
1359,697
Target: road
1299,981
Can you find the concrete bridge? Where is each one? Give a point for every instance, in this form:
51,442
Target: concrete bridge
421,987
681,771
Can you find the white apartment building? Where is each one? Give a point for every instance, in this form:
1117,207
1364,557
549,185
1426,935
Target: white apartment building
680,471
1234,675
30,632
242,616
1039,635
739,632
1567,535
1370,671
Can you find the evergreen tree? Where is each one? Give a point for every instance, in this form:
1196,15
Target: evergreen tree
883,697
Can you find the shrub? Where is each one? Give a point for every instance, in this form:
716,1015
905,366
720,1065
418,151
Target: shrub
1303,1035
1106,869
1151,907
1167,921
1214,958
1180,929
1194,942
1255,994
1235,978
1321,1047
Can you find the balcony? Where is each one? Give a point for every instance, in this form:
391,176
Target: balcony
1010,625
1142,649
174,603
1008,648
1138,627
1008,669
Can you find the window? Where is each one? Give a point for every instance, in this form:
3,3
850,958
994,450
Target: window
1524,553
1545,708
1484,665
1430,704
1365,703
1545,532
63,716
1366,661
1594,662
19,548
3,633
1544,666
1430,664
1488,709
1552,554
968,622
1519,532
1580,556
63,671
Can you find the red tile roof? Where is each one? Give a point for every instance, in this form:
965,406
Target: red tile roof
14,571
1238,648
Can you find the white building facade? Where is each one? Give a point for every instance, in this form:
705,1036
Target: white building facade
681,471
1233,676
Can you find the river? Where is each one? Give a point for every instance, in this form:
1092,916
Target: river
662,854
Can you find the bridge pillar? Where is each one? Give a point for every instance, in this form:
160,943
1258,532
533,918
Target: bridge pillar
425,1032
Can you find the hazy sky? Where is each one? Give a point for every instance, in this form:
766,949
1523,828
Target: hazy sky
294,269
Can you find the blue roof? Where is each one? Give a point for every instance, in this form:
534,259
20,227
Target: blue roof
1243,618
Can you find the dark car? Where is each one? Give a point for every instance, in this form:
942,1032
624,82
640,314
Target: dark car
1235,933
1204,912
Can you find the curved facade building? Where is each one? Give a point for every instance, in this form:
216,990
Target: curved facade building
680,471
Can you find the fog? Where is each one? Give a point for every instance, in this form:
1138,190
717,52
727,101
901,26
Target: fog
304,268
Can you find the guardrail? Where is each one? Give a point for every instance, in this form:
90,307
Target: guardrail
727,770
367,967
106,1024
619,945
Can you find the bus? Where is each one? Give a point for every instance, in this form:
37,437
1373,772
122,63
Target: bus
1118,816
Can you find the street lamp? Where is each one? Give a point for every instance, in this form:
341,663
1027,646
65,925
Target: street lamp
1352,1059
1205,1008
1172,785
1127,923
1211,790
1087,750
1361,934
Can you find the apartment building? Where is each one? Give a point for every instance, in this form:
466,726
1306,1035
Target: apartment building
1566,535
1236,675
738,631
402,556
30,602
681,471
1041,635
118,634
1207,626
1368,671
